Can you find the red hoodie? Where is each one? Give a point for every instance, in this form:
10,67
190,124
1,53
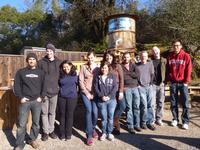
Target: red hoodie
179,67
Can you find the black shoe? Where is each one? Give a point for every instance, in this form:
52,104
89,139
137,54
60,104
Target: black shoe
151,127
44,137
53,135
144,126
131,130
116,132
68,138
138,129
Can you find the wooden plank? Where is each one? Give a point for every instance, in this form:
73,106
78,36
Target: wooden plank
9,110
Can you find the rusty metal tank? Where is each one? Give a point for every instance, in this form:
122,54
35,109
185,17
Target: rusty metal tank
121,32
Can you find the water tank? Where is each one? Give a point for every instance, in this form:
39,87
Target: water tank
121,32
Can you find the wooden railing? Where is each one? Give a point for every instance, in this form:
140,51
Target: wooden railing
192,90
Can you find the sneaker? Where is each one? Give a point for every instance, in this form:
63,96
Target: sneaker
62,138
131,130
18,148
44,137
159,122
138,129
116,131
95,135
52,135
89,142
185,126
111,137
144,126
103,137
151,127
174,123
34,144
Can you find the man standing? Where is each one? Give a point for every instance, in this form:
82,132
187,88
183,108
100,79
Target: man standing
131,94
179,68
159,64
50,64
30,88
145,71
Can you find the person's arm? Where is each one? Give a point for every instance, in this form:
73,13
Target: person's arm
81,82
97,91
151,72
18,86
113,91
44,85
167,75
188,70
121,78
134,73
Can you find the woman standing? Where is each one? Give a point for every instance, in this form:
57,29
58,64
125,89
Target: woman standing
105,88
117,71
68,96
87,72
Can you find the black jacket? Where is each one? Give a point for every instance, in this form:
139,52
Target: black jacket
51,69
30,83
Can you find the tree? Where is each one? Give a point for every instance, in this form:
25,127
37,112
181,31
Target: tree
17,28
180,19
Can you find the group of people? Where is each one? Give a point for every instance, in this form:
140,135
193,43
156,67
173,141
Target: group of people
109,88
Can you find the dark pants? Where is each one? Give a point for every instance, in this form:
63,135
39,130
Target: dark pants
174,89
66,108
24,109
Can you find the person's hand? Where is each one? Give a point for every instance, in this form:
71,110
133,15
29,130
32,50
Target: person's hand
105,98
185,84
121,95
162,84
24,100
90,96
39,99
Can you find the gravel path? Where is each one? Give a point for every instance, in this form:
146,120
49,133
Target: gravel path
165,137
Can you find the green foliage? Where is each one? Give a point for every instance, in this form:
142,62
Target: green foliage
81,25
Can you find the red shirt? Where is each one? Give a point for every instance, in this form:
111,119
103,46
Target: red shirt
179,67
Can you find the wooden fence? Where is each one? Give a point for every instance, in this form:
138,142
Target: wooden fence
9,64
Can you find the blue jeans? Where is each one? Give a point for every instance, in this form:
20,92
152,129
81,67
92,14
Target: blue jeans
158,101
24,109
146,105
91,116
107,110
133,107
174,89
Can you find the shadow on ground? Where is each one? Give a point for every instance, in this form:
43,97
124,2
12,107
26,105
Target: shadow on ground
140,141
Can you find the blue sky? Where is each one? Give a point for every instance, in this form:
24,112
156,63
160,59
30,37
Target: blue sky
21,6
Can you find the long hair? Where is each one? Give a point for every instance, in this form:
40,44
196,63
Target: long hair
72,71
114,61
103,63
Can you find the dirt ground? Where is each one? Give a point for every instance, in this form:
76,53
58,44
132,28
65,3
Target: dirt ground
163,138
